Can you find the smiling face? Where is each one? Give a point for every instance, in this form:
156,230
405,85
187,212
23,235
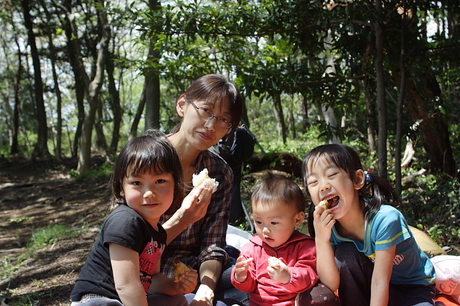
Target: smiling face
149,194
327,181
275,221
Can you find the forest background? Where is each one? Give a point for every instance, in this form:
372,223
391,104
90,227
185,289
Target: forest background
79,78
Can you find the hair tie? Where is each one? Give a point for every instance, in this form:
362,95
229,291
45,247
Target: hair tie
367,174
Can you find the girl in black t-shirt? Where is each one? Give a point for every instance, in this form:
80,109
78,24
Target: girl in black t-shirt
124,263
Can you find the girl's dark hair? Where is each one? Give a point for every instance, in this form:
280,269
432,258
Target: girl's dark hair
149,153
376,190
216,88
278,188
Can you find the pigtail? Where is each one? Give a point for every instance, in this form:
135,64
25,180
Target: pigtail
375,192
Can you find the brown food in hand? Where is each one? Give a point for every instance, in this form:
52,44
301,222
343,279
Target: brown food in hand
180,269
324,203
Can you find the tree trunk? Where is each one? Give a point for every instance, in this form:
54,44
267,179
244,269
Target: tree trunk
382,111
81,78
17,103
41,147
402,86
137,117
115,105
433,126
57,90
278,109
327,110
93,93
101,142
368,96
305,122
152,81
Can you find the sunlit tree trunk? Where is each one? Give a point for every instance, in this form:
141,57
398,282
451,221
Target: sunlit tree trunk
93,93
327,110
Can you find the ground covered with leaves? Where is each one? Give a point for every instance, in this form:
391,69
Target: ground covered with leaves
48,223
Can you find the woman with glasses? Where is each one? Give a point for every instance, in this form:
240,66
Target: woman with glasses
210,109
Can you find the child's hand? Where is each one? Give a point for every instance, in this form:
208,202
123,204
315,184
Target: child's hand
195,204
241,268
187,282
323,221
278,271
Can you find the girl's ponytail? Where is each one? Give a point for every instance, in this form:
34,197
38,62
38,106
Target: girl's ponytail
377,191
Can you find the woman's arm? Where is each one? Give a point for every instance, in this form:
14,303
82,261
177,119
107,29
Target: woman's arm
125,266
210,271
381,276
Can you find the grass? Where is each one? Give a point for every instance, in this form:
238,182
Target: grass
47,236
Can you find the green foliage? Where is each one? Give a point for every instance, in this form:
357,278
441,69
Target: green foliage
19,220
433,203
298,147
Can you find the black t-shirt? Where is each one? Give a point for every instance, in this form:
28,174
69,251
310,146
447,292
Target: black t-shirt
126,228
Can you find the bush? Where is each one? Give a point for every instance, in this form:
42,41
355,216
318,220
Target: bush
433,204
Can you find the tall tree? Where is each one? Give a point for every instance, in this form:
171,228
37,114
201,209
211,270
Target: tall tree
382,109
92,82
41,147
57,90
152,75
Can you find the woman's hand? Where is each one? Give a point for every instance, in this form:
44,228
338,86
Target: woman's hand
204,296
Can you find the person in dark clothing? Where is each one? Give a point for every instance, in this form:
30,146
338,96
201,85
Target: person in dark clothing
236,149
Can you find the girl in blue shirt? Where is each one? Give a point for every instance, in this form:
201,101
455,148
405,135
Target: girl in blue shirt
365,248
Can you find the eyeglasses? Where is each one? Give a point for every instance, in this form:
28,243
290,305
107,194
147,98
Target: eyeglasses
206,114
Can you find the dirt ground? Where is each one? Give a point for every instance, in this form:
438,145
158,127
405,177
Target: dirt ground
33,197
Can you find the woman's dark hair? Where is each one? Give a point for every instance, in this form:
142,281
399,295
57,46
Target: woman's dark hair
278,188
149,153
216,88
376,190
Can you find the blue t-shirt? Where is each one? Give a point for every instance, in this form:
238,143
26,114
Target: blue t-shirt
386,229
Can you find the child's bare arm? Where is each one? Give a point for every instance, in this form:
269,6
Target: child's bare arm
125,266
383,267
325,263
